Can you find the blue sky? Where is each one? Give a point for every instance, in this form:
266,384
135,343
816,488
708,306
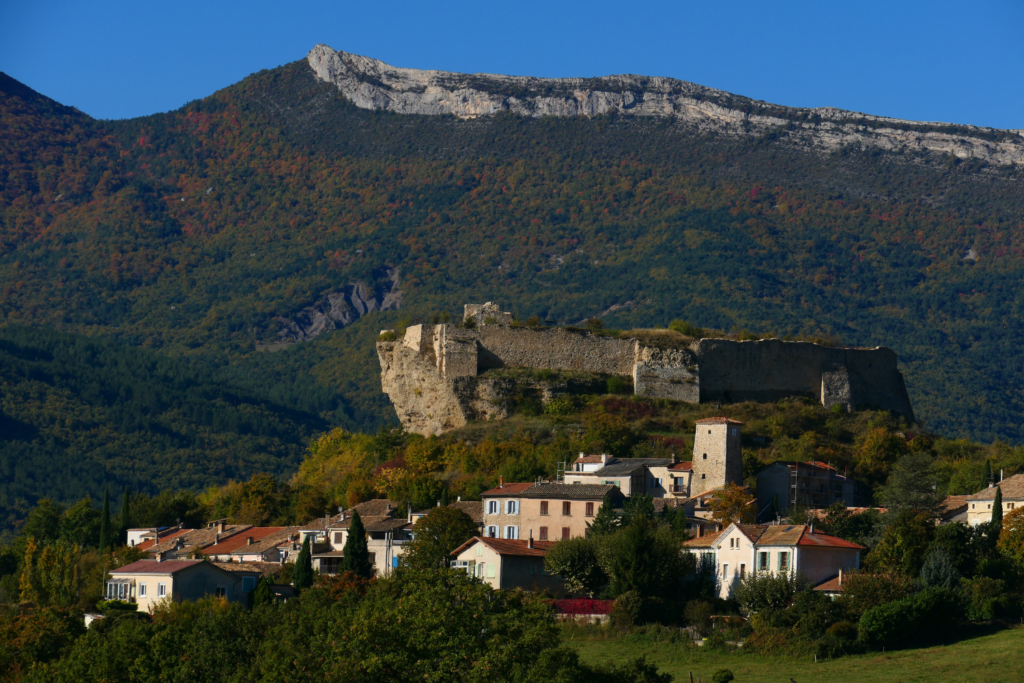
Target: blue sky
938,61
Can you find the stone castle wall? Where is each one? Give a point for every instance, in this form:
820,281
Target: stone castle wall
437,375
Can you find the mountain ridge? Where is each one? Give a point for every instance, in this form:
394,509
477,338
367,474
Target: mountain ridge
372,84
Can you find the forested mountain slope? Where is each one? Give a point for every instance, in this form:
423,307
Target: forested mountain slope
203,232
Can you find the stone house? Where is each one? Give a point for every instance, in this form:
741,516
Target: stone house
815,485
549,511
507,563
632,476
149,582
386,536
979,505
795,548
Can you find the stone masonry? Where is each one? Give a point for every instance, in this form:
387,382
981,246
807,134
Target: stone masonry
437,376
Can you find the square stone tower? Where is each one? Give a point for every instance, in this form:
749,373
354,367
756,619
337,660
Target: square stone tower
717,457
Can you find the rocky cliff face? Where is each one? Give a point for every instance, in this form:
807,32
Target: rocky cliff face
372,84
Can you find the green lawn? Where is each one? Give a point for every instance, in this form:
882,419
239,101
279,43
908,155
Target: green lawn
986,659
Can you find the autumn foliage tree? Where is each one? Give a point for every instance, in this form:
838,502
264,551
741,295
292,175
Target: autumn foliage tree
734,503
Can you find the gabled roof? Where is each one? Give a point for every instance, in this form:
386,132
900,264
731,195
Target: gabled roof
473,508
198,538
716,421
256,533
785,535
504,546
563,491
705,541
507,490
266,543
1012,488
589,459
261,568
830,585
154,567
952,505
149,543
682,466
624,466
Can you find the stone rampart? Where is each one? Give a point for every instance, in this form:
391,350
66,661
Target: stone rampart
437,376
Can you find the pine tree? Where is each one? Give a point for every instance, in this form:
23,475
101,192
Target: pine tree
303,575
356,554
105,522
997,509
125,518
605,521
264,594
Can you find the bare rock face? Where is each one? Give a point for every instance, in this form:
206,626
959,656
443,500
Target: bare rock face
335,309
372,84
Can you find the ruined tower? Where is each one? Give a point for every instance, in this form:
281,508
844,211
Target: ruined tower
717,457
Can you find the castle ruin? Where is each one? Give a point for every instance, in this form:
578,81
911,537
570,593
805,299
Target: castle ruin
440,377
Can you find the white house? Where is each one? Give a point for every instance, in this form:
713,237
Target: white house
795,548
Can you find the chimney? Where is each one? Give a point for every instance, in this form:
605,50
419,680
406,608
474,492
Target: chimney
501,481
529,543
458,498
604,458
438,503
840,578
248,540
811,528
1000,475
673,457
159,557
220,527
342,515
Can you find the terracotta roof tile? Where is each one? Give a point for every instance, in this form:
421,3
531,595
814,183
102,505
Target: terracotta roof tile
266,543
261,568
588,459
146,545
564,491
682,467
717,421
830,585
154,567
1012,488
705,541
504,546
257,533
508,490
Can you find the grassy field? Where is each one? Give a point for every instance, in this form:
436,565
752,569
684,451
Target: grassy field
991,658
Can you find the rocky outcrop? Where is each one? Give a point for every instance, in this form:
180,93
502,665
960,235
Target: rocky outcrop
440,377
372,84
335,309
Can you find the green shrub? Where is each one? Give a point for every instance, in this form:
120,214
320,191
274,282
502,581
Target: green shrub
916,617
387,336
616,385
722,676
626,610
563,405
109,605
698,614
683,327
469,323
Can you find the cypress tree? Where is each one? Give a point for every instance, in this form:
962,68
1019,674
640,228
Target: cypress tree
444,496
105,522
356,557
125,518
997,509
303,576
264,594
605,521
988,474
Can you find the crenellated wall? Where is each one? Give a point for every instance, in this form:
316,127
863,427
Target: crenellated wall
439,377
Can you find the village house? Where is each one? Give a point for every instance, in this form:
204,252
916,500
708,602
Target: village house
794,548
549,510
980,504
632,476
812,484
149,582
508,563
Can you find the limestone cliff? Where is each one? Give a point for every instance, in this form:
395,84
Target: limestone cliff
440,377
372,84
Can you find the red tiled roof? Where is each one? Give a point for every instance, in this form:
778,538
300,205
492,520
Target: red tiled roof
145,545
717,421
825,541
504,546
154,567
239,540
508,490
831,585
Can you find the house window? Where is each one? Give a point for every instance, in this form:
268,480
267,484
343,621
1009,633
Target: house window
590,510
490,570
492,532
709,431
743,571
783,562
566,509
703,476
565,533
725,571
142,590
479,550
762,561
161,590
493,507
705,457
512,507
533,569
512,532
222,592
248,583
339,537
543,533
543,507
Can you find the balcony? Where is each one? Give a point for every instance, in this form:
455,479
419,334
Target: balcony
677,490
